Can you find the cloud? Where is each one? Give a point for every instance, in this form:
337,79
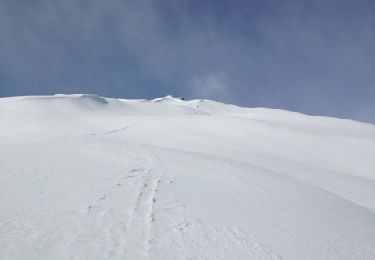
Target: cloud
314,57
210,86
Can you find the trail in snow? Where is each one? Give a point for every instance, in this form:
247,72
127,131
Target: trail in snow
109,132
141,216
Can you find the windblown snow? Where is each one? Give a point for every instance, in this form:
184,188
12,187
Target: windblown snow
88,177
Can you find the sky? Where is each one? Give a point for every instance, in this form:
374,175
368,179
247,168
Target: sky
315,57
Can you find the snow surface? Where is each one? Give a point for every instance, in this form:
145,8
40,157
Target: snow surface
87,177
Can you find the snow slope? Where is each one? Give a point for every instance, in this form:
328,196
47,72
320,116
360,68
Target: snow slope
87,177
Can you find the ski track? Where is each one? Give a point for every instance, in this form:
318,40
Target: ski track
141,216
109,132
134,240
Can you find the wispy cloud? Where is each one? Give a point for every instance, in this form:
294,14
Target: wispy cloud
211,86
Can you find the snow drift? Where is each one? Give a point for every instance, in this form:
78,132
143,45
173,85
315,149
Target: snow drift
88,177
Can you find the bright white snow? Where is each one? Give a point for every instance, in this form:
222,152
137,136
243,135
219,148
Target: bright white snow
87,177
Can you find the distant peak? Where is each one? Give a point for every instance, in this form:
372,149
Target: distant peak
95,98
168,98
92,97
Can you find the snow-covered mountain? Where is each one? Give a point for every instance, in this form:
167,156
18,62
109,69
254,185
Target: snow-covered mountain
87,177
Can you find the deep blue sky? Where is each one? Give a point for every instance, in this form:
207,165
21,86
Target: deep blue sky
316,57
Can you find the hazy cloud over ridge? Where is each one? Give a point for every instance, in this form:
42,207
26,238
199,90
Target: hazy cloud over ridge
315,57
